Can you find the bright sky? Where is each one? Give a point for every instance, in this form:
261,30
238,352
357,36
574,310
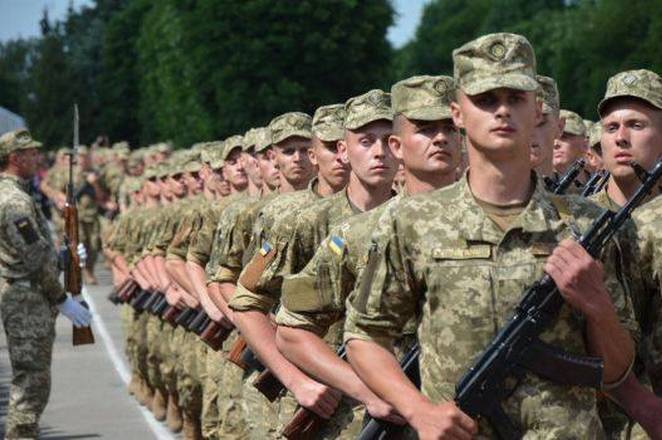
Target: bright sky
20,18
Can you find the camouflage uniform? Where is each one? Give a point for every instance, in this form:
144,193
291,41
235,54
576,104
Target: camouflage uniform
29,292
462,274
289,249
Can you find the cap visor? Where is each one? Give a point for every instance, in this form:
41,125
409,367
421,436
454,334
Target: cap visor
367,119
514,81
329,134
298,133
428,113
604,102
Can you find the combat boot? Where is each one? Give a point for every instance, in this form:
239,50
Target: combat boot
159,404
174,414
192,429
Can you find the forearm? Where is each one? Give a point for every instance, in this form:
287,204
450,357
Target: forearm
161,272
606,338
310,353
199,281
260,336
380,371
144,273
176,269
219,300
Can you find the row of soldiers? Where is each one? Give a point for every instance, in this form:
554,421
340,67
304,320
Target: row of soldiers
317,276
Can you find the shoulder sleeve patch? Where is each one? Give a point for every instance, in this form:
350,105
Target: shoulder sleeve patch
26,230
337,245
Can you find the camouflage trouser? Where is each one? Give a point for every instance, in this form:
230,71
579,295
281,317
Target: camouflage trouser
90,236
139,329
155,342
261,415
231,422
126,315
346,422
287,406
188,384
210,393
29,323
168,358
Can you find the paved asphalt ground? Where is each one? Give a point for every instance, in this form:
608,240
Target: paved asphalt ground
88,396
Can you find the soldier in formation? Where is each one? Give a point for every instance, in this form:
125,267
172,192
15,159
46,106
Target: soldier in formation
294,279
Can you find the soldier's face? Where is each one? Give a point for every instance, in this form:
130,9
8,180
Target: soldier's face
427,147
369,155
326,156
291,157
177,187
549,128
193,182
268,170
567,149
632,130
498,123
233,170
27,162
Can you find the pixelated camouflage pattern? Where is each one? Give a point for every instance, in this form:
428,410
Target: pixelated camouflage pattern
495,61
328,122
548,94
366,108
290,125
424,97
465,275
17,140
574,124
643,84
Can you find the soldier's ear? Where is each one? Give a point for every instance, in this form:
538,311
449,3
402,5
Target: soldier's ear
456,113
342,149
395,144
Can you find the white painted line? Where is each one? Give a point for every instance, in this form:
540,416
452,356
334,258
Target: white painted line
123,371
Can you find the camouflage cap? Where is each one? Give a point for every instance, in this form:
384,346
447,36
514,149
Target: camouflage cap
133,184
548,94
423,98
193,165
17,140
232,143
122,154
263,139
574,124
588,124
164,169
212,154
289,125
152,172
594,134
494,61
63,151
163,147
82,149
328,122
369,107
643,84
250,138
121,145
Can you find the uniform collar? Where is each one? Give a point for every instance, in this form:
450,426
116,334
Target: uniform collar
539,215
21,183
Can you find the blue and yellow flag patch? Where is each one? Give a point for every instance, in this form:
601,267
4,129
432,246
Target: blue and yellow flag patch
265,249
337,245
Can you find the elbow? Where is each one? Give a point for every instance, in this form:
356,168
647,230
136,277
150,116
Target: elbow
285,341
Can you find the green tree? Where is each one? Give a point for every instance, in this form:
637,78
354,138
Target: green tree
48,91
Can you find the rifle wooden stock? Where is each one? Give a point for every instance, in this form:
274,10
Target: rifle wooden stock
236,352
72,273
269,385
170,315
305,425
184,319
215,335
127,294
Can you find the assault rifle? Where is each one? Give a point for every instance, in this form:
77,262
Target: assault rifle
569,177
305,424
517,347
374,429
72,271
595,183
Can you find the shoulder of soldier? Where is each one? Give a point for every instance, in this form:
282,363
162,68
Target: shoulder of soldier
648,217
284,201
